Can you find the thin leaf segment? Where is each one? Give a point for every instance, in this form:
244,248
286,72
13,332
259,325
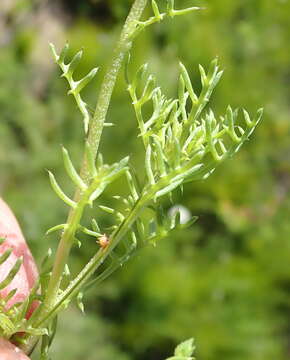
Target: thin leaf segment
183,141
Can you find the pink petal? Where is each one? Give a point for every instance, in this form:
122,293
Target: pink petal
25,278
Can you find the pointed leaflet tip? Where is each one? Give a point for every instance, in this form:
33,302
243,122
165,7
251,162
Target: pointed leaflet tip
52,48
185,349
59,192
71,171
63,53
117,170
173,13
80,302
127,63
46,262
148,89
56,228
12,273
79,244
190,222
247,118
213,66
79,85
159,156
181,65
230,126
66,271
260,113
107,209
74,63
202,75
155,9
132,185
168,189
86,231
139,77
5,256
187,82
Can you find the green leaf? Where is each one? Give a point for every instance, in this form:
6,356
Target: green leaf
168,188
86,231
73,64
59,192
159,157
79,85
117,169
155,9
75,86
148,165
185,349
187,82
5,256
56,228
6,325
63,53
80,302
71,171
12,273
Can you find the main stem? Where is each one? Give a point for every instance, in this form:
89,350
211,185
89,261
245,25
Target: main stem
95,131
123,46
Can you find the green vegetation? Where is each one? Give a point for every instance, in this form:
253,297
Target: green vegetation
225,280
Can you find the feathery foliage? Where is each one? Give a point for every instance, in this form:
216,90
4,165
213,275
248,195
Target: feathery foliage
183,141
184,351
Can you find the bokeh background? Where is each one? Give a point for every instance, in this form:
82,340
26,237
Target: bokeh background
225,281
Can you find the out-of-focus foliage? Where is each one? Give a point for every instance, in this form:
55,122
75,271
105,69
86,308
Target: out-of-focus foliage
225,281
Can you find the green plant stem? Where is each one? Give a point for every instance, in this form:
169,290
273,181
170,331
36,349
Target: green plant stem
124,45
94,263
95,131
63,251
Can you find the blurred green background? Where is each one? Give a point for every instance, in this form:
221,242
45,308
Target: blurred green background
226,281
